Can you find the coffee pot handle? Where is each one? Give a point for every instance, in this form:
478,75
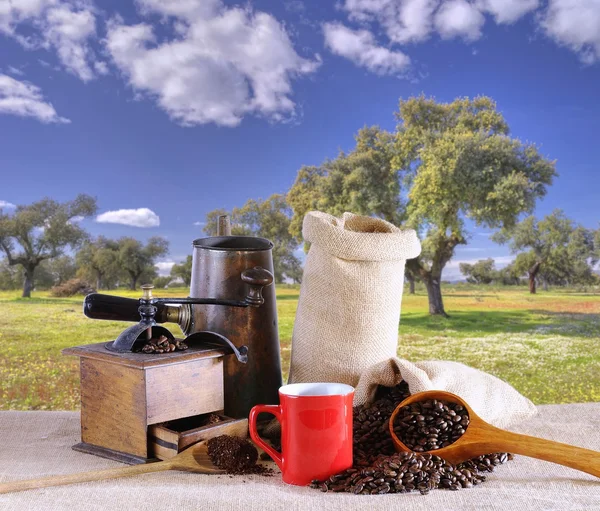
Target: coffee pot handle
256,278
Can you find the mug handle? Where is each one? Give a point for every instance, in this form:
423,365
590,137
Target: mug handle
274,410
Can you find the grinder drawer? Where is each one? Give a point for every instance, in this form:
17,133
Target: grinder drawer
165,440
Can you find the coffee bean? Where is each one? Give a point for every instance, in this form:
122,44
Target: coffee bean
431,425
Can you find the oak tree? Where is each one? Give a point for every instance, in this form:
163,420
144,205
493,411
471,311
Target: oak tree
137,260
183,271
554,249
41,231
98,261
446,164
480,272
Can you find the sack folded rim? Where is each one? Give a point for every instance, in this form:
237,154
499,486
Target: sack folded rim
382,242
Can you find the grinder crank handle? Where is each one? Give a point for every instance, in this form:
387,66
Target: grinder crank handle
256,278
116,308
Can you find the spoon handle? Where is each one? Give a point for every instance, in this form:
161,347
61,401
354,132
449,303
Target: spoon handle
96,475
578,458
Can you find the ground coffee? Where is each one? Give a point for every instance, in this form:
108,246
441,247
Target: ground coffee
235,455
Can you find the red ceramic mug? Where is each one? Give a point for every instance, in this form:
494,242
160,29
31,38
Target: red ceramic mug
316,430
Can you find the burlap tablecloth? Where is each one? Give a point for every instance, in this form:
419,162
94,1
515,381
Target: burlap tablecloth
36,444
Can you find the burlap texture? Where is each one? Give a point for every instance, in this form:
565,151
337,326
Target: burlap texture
494,400
37,444
349,305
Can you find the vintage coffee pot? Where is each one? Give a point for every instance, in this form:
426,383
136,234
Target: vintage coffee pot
231,304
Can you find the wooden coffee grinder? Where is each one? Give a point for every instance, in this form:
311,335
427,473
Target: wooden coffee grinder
136,406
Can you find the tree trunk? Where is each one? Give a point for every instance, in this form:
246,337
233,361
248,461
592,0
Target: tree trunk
28,283
133,284
411,283
434,293
532,289
533,271
545,284
98,280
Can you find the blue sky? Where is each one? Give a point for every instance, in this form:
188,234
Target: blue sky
182,106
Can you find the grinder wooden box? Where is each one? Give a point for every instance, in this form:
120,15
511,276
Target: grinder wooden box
122,394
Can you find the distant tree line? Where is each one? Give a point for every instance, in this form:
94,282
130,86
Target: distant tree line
553,251
36,239
444,165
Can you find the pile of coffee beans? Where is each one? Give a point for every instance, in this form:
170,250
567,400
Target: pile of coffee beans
371,433
382,470
430,425
235,455
163,345
402,472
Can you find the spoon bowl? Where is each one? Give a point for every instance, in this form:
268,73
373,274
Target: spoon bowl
482,438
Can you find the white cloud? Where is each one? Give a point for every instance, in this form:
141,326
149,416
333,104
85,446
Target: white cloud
63,25
101,68
414,21
199,223
76,219
142,217
403,20
7,205
164,268
295,6
26,100
576,25
15,71
361,48
221,64
508,11
459,18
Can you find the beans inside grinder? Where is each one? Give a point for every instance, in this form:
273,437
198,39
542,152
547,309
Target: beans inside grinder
430,425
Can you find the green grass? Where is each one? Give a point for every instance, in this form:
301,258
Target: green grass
546,345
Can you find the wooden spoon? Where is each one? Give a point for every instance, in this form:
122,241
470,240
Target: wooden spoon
483,438
194,459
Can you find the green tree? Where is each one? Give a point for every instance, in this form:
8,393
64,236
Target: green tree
554,249
510,275
446,163
11,277
362,181
137,260
161,282
61,268
41,231
183,271
98,261
460,163
411,279
271,219
481,272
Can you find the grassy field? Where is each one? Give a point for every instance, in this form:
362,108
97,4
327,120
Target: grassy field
546,345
